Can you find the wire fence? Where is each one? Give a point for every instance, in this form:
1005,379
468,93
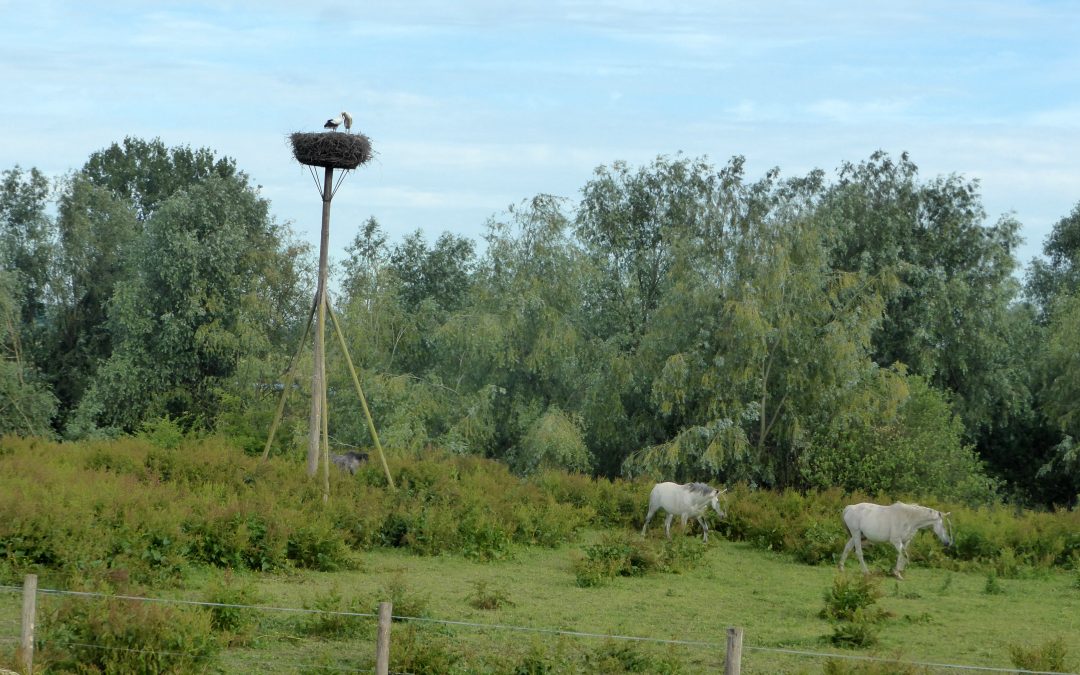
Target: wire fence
243,660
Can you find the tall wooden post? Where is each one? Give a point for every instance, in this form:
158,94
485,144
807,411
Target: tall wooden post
733,657
382,639
318,376
329,151
29,614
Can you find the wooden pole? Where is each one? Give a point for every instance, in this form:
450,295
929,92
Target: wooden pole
382,644
287,384
733,657
29,612
363,399
325,440
318,377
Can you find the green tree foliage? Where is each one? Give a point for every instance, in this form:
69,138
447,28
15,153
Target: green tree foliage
26,245
912,443
1060,273
952,319
96,231
680,320
26,404
554,441
763,339
198,299
1059,373
516,349
146,173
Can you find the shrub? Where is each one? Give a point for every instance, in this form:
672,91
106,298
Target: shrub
624,657
334,616
629,555
318,546
484,596
423,652
1048,656
849,594
993,586
860,631
405,602
127,636
849,605
227,616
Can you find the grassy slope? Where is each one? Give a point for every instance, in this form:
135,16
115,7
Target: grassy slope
938,616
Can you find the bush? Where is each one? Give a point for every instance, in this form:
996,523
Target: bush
423,652
849,594
127,636
405,602
624,657
849,605
1048,656
333,617
629,555
318,546
227,616
486,597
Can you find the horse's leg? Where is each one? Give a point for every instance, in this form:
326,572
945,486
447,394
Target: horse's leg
704,528
667,524
648,517
901,560
858,552
847,549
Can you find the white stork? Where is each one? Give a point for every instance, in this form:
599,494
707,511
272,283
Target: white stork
332,123
348,120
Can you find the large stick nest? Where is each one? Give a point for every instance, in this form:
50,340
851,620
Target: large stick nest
331,149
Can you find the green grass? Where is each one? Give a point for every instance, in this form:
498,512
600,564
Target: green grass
125,516
934,615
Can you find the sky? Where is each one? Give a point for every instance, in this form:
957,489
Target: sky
476,105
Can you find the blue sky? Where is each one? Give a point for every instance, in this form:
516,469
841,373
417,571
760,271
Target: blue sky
473,106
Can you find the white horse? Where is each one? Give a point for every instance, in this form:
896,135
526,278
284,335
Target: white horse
683,500
897,524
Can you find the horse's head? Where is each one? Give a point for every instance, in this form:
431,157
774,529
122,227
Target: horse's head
941,527
715,502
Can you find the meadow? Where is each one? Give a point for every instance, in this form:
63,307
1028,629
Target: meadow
464,541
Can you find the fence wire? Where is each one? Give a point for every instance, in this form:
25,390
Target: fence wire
722,647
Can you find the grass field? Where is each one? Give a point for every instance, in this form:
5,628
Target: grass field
128,517
934,615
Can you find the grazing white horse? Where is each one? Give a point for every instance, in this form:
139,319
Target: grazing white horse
683,500
897,524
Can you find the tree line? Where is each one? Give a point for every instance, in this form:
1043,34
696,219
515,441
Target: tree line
868,329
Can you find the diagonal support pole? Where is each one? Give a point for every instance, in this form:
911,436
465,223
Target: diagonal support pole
363,399
290,375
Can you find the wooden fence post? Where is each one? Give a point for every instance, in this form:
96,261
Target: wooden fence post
29,611
733,658
382,643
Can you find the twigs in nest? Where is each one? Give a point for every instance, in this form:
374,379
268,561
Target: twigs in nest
331,149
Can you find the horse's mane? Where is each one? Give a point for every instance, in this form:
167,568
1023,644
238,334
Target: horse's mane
925,509
703,488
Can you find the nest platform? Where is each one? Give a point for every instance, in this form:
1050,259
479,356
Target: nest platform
331,149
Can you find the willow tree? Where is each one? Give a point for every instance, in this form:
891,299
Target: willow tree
204,269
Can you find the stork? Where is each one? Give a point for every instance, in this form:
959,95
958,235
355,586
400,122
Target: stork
348,120
332,123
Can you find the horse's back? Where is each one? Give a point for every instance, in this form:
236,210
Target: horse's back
876,522
856,515
662,491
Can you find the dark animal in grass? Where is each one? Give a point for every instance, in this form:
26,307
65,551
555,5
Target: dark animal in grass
350,461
